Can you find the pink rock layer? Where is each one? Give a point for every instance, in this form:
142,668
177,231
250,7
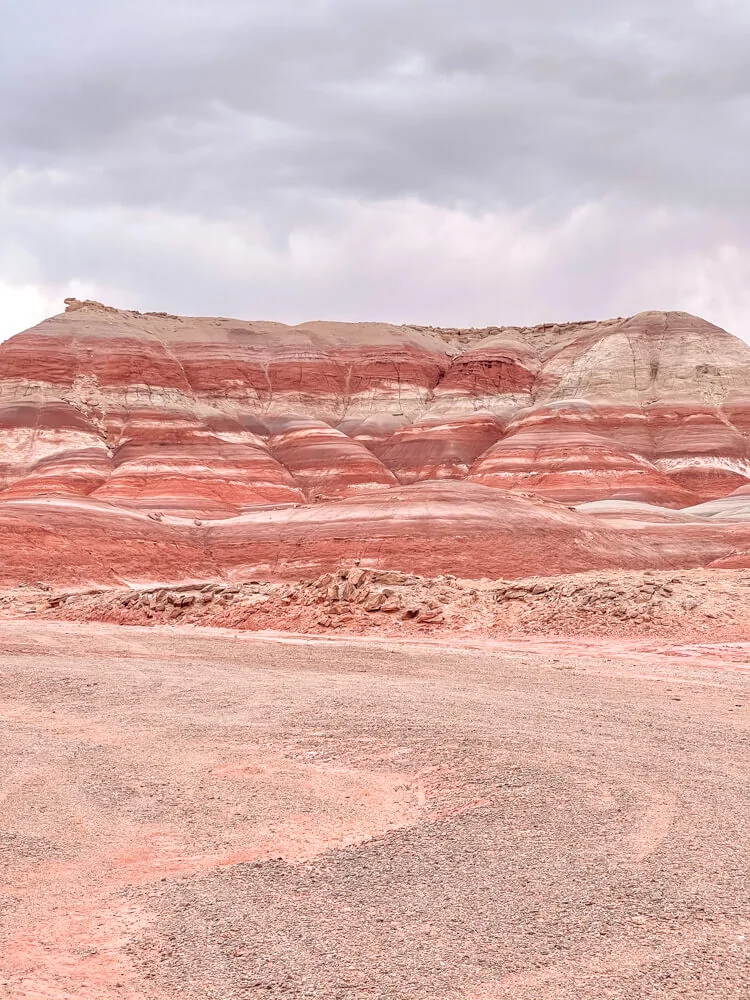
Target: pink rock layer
148,446
173,462
450,527
324,462
437,449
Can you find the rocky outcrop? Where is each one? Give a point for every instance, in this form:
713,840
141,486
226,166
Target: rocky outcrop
143,446
686,606
495,372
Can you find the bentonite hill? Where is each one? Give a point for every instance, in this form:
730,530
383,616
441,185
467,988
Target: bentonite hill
140,448
363,662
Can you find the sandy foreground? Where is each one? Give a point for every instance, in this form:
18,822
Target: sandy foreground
194,813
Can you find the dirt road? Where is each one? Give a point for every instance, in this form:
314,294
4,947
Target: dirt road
197,815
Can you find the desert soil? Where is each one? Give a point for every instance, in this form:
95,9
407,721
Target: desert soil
205,815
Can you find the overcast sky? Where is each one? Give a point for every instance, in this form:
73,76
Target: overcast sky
454,162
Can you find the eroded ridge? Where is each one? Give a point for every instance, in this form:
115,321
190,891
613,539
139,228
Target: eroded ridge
146,447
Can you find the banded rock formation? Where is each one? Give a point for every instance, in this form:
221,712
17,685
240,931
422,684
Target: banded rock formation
140,447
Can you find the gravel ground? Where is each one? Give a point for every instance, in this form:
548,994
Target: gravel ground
205,816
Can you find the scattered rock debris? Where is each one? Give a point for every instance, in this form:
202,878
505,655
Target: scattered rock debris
697,603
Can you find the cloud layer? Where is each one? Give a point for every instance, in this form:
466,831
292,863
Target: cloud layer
427,161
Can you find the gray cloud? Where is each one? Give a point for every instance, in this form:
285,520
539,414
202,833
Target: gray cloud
183,154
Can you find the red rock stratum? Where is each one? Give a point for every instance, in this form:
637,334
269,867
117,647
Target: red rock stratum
139,447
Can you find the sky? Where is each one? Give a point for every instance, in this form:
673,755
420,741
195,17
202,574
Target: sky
472,163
